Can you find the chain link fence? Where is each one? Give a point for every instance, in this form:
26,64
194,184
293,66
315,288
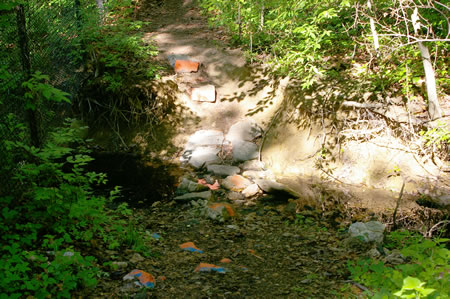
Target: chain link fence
40,36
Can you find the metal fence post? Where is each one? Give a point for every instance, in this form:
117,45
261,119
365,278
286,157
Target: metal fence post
33,120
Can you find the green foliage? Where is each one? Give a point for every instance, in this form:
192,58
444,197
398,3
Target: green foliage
438,136
52,211
37,90
297,34
118,51
428,265
413,288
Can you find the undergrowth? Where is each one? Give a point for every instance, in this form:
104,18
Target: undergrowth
51,221
121,66
424,274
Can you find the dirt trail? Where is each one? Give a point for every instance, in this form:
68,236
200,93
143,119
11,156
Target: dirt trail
178,28
274,252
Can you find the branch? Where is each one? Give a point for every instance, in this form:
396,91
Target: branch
361,105
394,216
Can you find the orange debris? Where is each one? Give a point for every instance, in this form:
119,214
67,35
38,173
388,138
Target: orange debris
186,66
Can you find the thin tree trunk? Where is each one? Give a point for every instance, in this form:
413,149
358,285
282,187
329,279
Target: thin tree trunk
32,115
434,110
376,44
239,20
261,25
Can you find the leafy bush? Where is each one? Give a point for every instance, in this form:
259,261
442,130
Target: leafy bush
424,276
52,216
297,34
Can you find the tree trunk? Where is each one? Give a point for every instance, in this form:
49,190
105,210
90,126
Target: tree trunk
239,20
373,29
261,24
434,110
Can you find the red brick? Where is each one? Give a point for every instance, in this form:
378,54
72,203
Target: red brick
186,66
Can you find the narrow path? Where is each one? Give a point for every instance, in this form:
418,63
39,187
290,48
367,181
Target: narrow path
178,28
269,251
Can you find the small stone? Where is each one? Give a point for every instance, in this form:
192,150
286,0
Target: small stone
206,93
251,190
206,195
236,183
136,258
374,253
225,170
371,231
233,196
232,226
395,258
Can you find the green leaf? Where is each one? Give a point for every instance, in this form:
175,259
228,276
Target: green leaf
411,283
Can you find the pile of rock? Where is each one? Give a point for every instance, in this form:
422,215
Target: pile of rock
226,166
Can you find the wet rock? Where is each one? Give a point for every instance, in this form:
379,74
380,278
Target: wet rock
136,258
236,183
371,231
186,66
202,156
275,188
233,196
251,190
205,195
224,170
206,93
252,165
187,186
200,138
245,130
244,150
